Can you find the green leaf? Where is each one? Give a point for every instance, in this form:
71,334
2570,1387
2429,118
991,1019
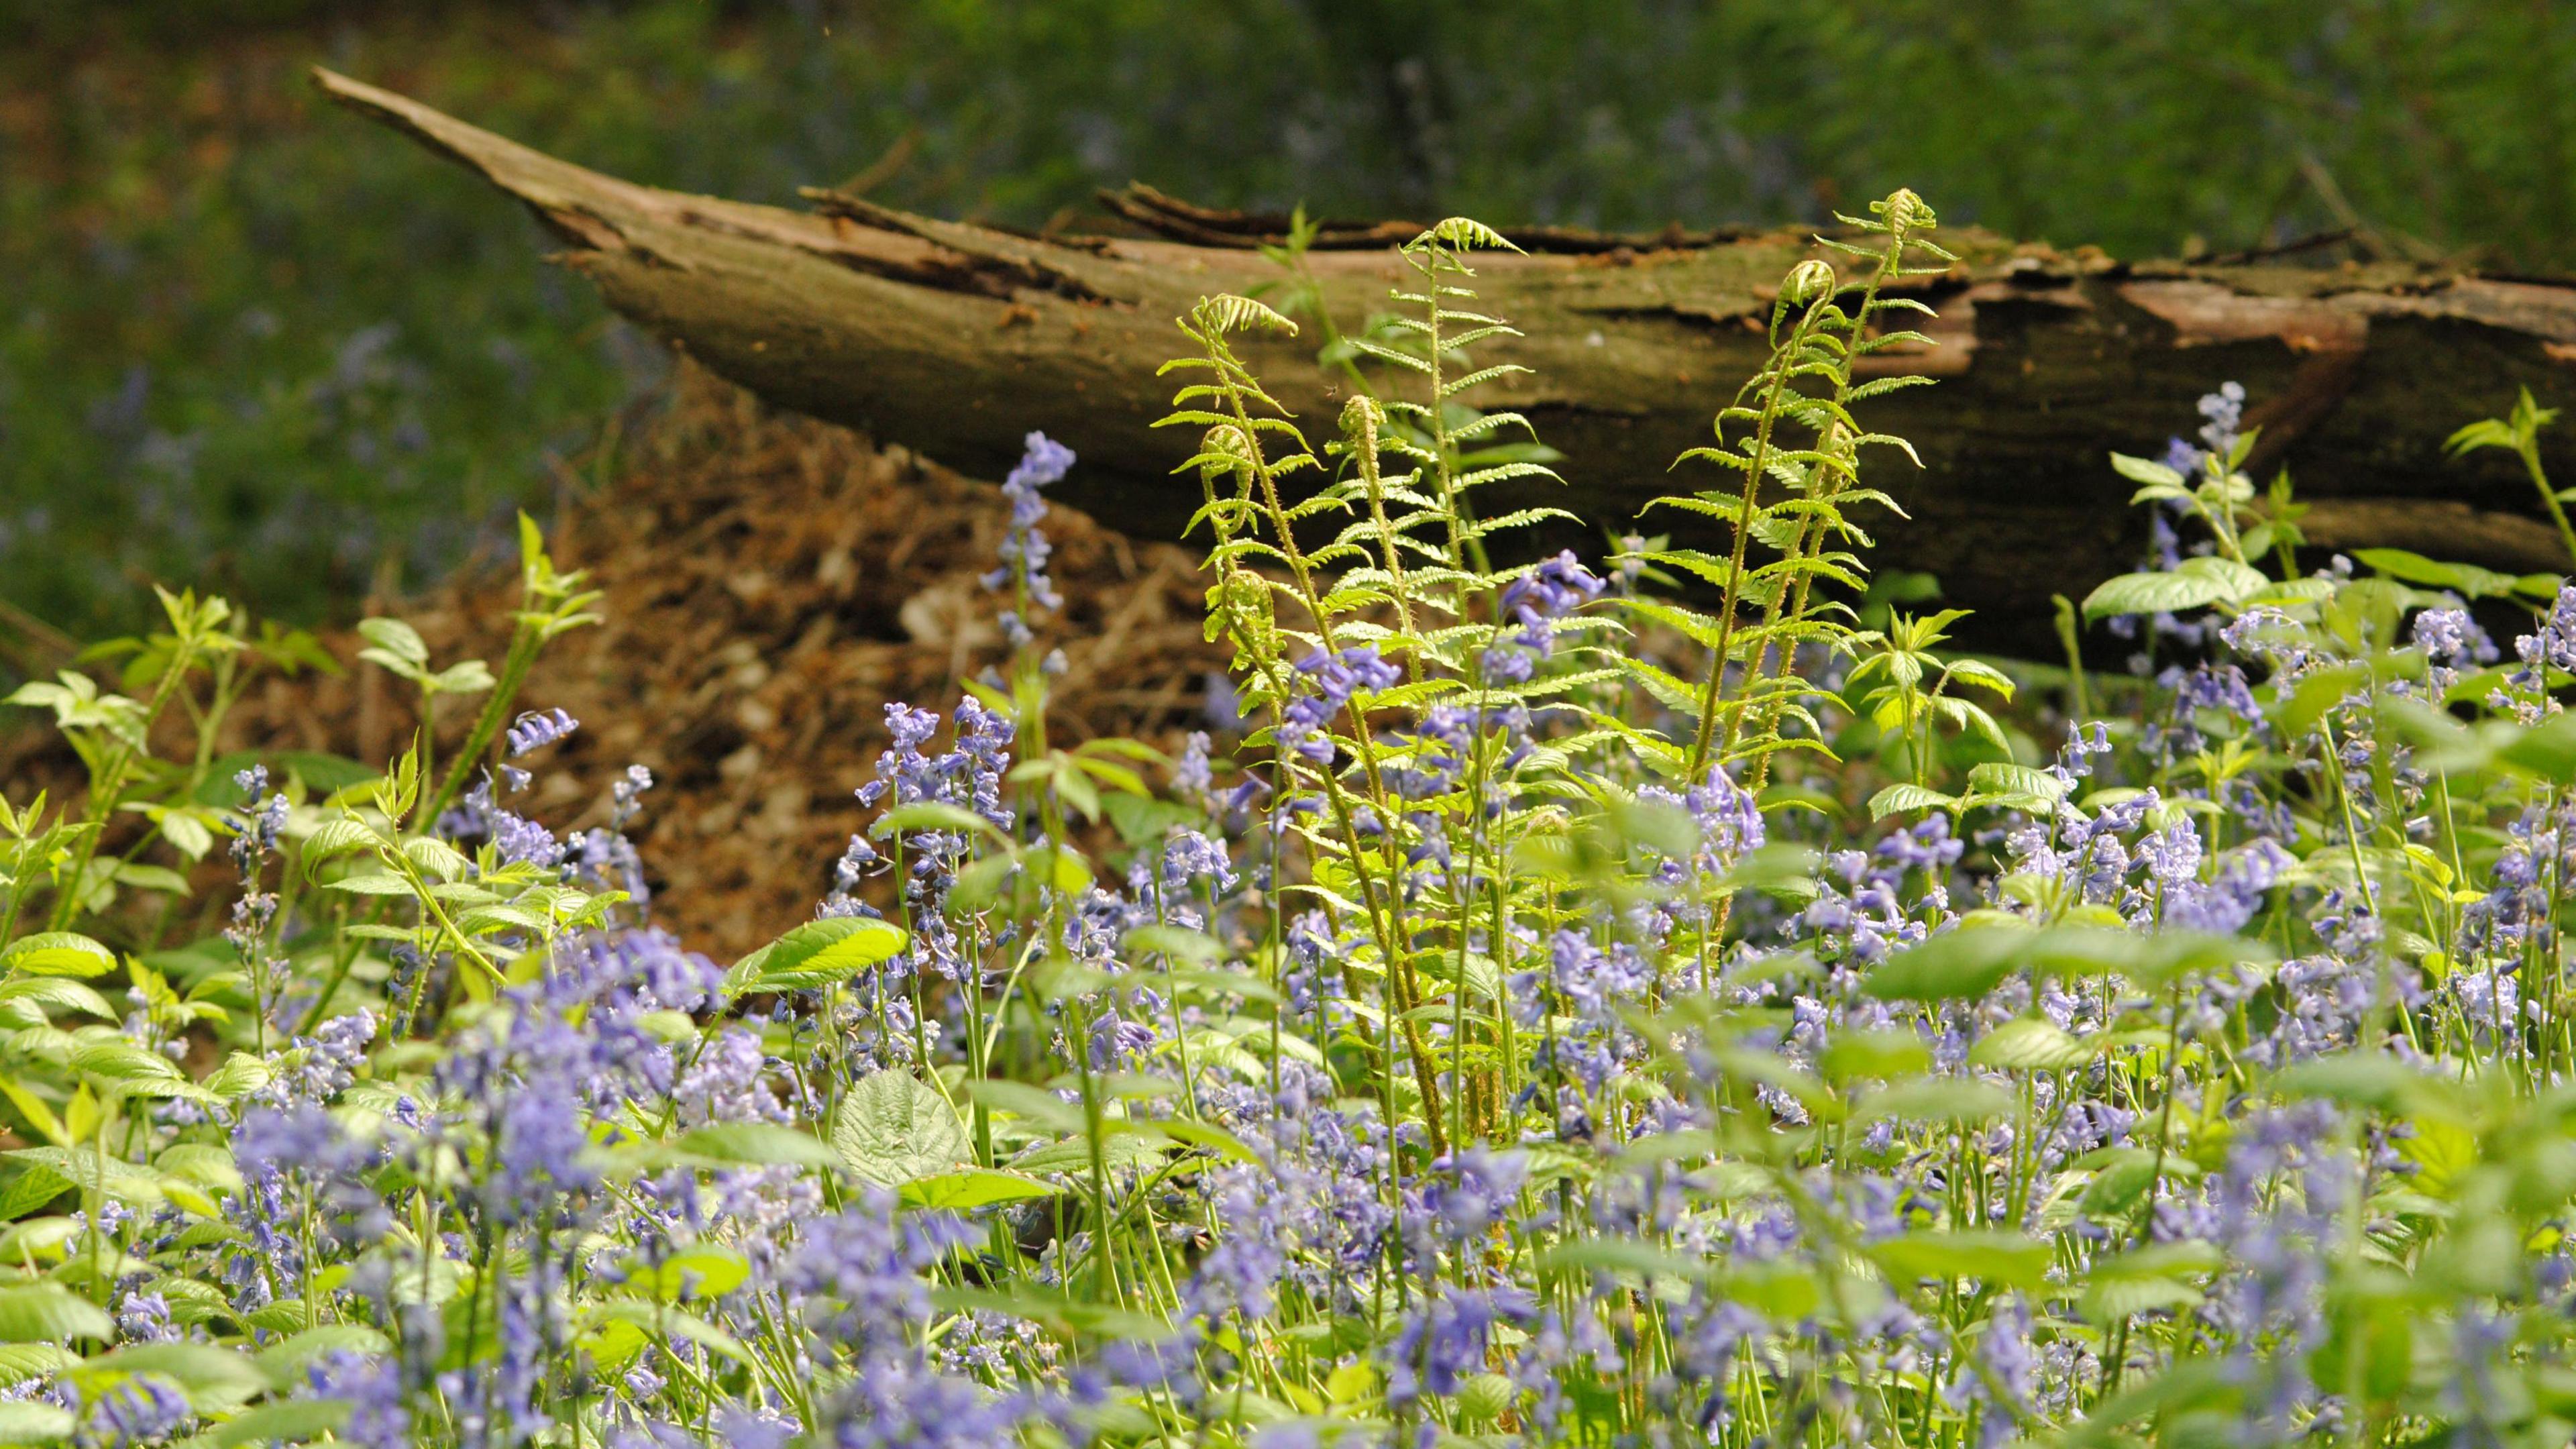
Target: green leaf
1955,965
22,1361
2155,593
894,1128
284,1421
373,883
2547,750
2239,581
43,1313
1995,1257
1178,942
213,1377
973,1187
1901,797
2118,1183
57,953
27,1422
57,993
1943,1099
817,954
662,1318
700,1271
758,1144
121,1061
2145,470
1143,820
1997,778
2415,568
2375,1083
2029,1044
933,815
2106,1303
403,649
1073,1155
285,1360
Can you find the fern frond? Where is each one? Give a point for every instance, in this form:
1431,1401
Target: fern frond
1230,313
1455,386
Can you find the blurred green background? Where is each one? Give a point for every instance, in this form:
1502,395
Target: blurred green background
250,342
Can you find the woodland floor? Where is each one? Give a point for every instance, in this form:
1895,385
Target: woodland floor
771,584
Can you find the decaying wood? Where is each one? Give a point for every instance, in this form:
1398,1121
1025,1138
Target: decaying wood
957,339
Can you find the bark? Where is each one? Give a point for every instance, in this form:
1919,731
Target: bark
956,339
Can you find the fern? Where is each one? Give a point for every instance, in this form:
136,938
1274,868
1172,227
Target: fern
1791,427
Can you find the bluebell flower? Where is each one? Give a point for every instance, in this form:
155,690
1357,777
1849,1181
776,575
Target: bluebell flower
300,1140
1446,1339
729,1082
1024,548
1326,683
2225,411
1241,1273
2451,639
144,1318
536,729
539,1153
1117,1040
372,1387
869,1261
144,1409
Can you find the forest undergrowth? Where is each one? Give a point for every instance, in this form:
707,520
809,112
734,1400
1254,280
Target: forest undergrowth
1518,1031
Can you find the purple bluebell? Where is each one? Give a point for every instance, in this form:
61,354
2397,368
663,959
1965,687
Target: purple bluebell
1326,683
372,1387
537,729
2225,411
144,1409
1536,600
1447,1338
1024,548
144,1318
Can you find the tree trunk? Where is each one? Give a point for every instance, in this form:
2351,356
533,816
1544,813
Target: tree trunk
956,340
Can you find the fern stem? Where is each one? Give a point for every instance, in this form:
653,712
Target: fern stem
1399,969
1811,528
1774,383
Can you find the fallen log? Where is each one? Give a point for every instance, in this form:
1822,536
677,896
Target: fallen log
956,339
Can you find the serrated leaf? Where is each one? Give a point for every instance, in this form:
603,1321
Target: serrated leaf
57,953
1903,796
2153,593
894,1128
817,954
